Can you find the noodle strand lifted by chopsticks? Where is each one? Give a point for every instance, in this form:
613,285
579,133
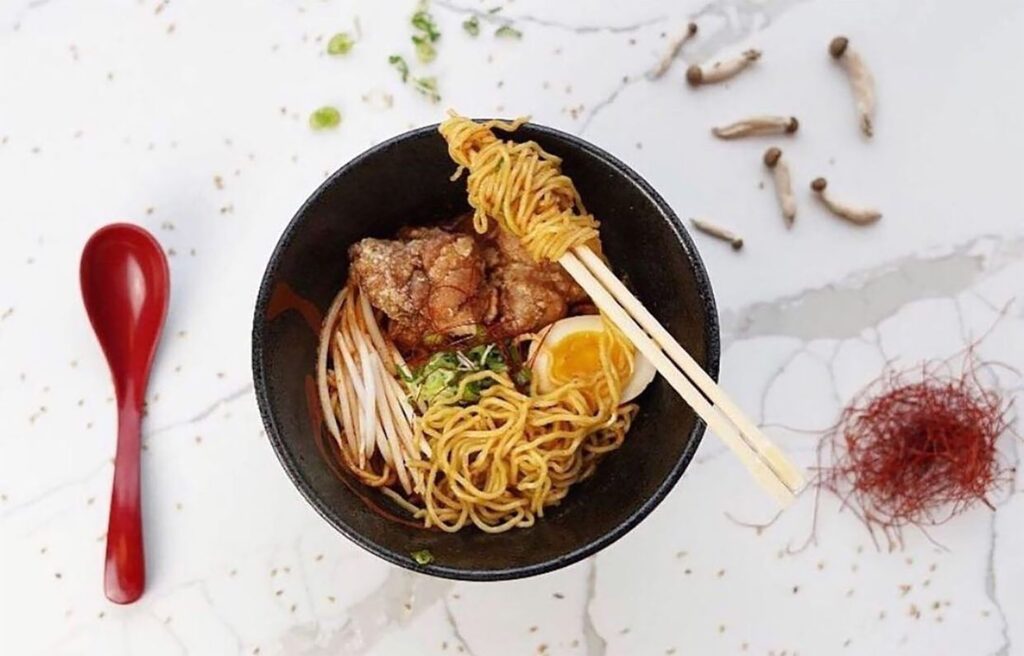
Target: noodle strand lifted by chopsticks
519,185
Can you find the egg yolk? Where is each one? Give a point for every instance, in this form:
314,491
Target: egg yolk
578,356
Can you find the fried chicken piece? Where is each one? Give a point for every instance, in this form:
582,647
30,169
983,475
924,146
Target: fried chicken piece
431,283
531,294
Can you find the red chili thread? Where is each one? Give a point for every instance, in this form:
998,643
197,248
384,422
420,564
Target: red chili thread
917,448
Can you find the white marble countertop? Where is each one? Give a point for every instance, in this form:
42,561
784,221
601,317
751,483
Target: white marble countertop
190,118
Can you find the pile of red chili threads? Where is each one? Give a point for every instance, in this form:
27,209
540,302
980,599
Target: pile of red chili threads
917,448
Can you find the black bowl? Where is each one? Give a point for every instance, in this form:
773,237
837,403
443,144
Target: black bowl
406,181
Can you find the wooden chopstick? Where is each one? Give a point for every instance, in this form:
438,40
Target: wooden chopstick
762,458
785,470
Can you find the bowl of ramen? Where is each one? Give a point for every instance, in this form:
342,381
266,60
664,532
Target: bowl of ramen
439,388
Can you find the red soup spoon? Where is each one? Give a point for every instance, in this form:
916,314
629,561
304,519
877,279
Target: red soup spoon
125,286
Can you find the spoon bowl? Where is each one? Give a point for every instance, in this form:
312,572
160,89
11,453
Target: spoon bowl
125,287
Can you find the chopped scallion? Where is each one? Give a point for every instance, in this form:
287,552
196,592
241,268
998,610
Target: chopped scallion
428,35
428,87
400,65
508,32
340,44
325,118
422,557
425,50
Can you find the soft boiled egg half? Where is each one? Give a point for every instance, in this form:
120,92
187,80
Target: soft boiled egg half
571,350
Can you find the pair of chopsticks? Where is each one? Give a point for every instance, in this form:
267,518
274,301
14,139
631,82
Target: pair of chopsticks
765,461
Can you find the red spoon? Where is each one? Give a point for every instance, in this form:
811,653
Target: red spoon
125,286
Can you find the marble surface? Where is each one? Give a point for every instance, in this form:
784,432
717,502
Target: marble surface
190,118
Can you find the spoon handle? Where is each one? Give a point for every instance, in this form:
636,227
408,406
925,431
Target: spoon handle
124,576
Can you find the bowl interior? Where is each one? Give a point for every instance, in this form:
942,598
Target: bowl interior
406,181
